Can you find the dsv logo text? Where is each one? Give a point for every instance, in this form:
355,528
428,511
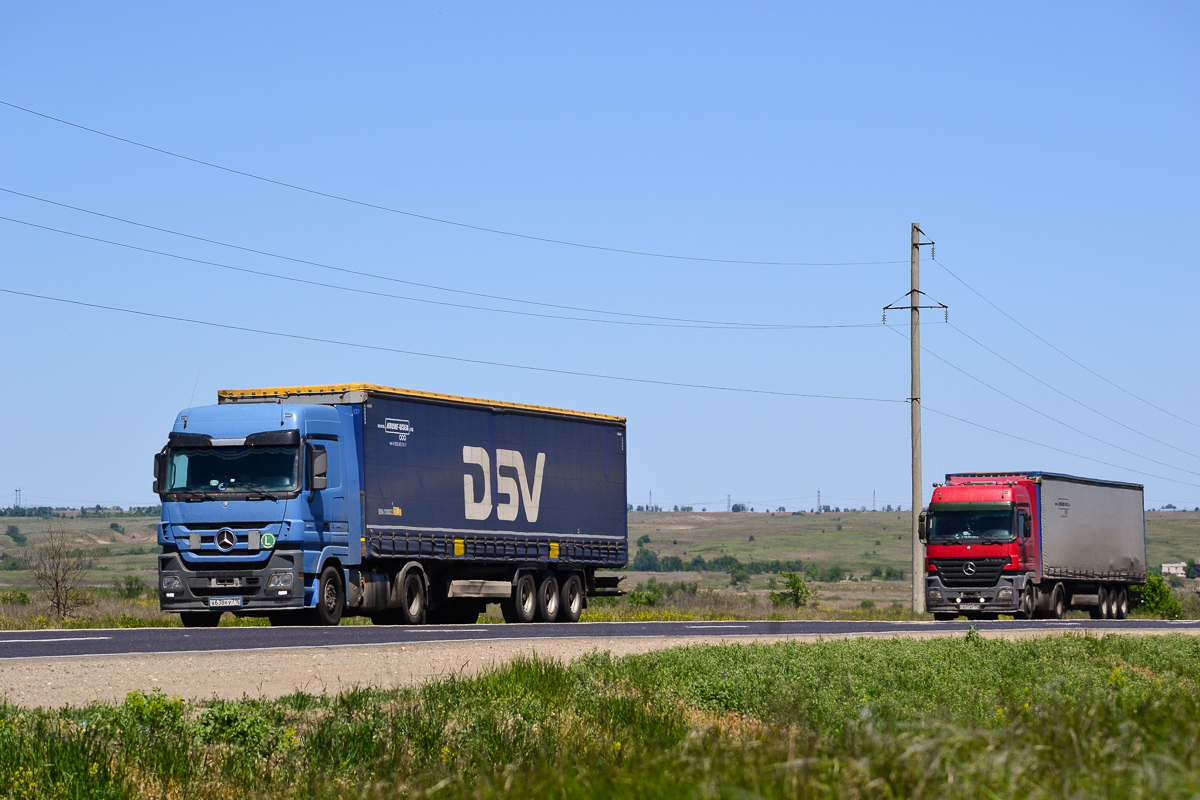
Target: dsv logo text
517,489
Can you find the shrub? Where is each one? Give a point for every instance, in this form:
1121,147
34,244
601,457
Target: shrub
14,597
1156,597
59,568
647,594
645,561
130,587
14,533
796,592
738,574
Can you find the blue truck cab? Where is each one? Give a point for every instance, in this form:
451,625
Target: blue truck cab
307,504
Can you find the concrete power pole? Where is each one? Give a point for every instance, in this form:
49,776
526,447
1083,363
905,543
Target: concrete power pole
918,548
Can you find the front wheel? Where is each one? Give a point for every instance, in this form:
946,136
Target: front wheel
331,597
200,619
1028,604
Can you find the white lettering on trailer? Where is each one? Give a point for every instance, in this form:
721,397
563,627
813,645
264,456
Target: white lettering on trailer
479,457
517,490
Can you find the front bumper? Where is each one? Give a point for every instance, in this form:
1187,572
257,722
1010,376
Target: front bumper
1003,598
227,587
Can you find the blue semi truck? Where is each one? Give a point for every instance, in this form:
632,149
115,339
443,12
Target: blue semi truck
311,503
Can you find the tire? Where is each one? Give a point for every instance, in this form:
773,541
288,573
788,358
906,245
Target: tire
1058,602
944,616
1120,603
413,601
1106,599
1028,604
547,598
570,599
200,619
331,597
521,607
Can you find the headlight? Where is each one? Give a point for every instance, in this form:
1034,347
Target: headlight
280,580
1005,595
933,597
171,583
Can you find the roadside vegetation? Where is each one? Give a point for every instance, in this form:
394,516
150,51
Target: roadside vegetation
970,717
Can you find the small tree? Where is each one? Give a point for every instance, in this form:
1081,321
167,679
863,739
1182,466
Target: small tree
58,567
14,533
796,592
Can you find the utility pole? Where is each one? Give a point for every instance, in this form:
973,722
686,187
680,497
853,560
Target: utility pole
918,547
18,498
728,503
818,501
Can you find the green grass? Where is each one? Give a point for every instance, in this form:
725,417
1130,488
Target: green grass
1058,717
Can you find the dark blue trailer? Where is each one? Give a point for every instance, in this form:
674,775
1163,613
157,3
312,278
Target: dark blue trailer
305,504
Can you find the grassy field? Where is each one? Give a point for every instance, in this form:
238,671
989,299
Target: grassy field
858,541
969,717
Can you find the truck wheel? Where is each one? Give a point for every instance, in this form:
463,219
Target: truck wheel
1102,605
522,606
547,598
331,597
1120,603
1028,604
1058,602
412,598
570,599
200,619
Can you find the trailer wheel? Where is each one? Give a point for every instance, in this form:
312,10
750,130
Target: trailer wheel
570,599
331,597
1120,604
522,605
547,598
200,619
1058,602
412,598
1101,611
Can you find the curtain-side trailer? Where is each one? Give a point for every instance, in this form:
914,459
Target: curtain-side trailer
306,504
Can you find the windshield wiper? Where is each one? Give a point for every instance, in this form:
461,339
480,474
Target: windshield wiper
196,497
260,494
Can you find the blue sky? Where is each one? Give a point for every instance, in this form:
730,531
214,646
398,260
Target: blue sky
1050,150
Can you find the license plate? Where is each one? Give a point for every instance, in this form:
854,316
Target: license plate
224,602
963,606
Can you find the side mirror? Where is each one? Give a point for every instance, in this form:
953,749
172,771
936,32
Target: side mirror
1026,526
923,526
160,462
320,468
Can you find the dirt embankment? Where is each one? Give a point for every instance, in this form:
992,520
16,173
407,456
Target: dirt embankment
55,682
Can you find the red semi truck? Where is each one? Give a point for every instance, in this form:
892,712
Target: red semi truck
1032,544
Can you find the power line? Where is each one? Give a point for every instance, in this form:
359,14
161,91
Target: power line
1056,449
459,359
372,293
1082,366
439,220
1052,419
1069,397
373,274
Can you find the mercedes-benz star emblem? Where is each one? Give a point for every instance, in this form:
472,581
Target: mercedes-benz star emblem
226,539
968,568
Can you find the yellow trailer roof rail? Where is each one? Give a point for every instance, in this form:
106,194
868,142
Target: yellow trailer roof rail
359,392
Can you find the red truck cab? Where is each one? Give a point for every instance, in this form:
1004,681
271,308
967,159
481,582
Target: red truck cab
982,550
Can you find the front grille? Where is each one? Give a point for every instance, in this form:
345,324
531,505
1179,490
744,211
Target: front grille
953,573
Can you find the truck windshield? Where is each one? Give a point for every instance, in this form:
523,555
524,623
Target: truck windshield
956,526
233,469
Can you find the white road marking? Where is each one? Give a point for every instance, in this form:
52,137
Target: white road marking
714,627
56,639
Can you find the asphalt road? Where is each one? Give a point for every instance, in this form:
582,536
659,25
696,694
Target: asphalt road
143,641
